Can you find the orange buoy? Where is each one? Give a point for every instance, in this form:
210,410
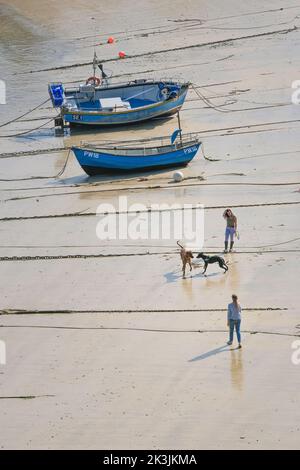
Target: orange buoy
110,40
122,55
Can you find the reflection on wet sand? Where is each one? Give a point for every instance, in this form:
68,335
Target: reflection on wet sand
236,363
235,278
17,29
187,287
236,369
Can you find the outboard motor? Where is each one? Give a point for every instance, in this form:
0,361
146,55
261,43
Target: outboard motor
173,91
168,91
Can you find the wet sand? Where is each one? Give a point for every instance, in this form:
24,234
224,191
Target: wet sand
107,347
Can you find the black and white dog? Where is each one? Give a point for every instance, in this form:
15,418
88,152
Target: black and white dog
213,259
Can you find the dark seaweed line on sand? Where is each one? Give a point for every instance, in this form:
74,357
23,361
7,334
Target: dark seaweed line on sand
93,214
175,49
24,397
122,255
29,153
173,310
143,188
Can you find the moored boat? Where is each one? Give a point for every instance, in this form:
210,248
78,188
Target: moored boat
146,154
99,102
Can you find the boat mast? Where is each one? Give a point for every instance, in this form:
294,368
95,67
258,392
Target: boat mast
179,127
94,63
95,56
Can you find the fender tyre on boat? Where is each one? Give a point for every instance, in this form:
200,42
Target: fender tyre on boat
93,81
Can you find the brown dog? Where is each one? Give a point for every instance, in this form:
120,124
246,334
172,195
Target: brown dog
186,257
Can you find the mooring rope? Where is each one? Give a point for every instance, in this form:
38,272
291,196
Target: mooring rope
63,167
220,109
207,101
207,158
25,114
26,132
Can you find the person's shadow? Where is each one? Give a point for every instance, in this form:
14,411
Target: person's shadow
210,353
213,352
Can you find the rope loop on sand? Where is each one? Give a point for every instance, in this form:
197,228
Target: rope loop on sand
64,166
207,158
207,101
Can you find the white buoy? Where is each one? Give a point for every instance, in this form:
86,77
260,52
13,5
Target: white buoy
178,176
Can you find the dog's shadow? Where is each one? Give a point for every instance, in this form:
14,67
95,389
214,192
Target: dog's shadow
174,276
201,275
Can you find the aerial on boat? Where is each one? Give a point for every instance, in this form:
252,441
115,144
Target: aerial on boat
134,155
100,102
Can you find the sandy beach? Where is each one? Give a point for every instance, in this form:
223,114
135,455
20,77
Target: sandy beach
107,347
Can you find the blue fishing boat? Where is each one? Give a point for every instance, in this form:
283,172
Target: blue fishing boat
99,102
146,154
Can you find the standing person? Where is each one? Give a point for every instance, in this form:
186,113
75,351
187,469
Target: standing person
234,320
231,228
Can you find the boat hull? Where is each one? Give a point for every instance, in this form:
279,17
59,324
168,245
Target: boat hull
96,162
127,116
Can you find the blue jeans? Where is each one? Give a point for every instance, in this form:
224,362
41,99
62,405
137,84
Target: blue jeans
237,325
229,233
